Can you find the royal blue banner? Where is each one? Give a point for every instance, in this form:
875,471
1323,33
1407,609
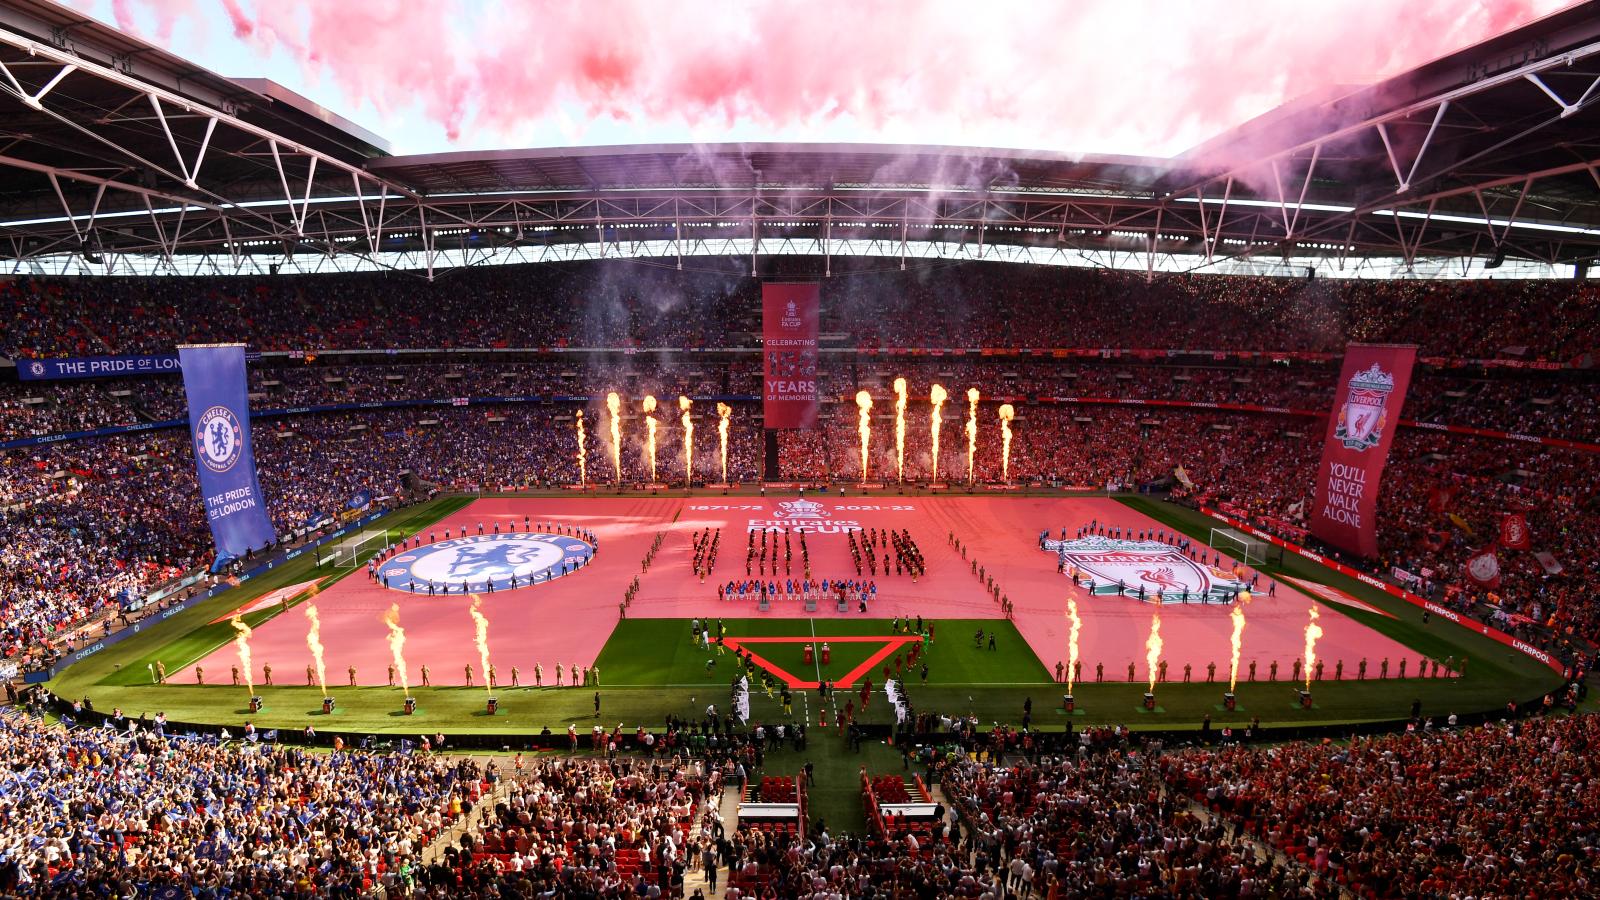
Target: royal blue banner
96,367
219,429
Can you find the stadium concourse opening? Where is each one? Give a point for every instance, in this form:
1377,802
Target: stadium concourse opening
568,620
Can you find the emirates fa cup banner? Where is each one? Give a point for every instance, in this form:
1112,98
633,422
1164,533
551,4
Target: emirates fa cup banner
789,348
1366,411
219,429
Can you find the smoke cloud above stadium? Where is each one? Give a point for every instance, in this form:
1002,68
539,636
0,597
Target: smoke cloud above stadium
1120,76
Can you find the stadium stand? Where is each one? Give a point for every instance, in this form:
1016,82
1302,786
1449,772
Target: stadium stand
974,305
1427,812
75,501
582,826
438,332
130,809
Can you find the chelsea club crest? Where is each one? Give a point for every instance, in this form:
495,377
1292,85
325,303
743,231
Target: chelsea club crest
218,439
473,564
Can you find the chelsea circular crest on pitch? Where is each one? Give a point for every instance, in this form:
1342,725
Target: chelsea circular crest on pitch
476,564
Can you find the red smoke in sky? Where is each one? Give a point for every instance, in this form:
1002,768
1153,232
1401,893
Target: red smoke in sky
1137,75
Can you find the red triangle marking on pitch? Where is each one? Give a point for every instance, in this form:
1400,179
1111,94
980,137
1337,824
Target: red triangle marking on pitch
890,645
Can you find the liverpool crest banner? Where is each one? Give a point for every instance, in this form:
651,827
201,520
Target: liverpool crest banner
789,349
219,430
1366,410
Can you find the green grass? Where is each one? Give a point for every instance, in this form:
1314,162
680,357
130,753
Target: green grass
190,635
195,645
654,652
1496,673
835,797
651,670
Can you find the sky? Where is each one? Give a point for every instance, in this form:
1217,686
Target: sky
1138,77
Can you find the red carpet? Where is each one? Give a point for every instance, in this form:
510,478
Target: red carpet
569,619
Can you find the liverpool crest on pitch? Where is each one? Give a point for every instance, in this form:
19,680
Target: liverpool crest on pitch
1160,569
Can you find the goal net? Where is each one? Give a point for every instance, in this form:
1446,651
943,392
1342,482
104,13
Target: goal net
1244,548
354,550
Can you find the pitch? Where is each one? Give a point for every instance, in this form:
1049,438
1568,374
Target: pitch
622,620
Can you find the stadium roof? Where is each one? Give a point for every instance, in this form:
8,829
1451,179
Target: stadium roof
115,150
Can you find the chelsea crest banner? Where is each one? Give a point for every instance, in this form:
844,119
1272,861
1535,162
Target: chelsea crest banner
789,348
1372,388
219,430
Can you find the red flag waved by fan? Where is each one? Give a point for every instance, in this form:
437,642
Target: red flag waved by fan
1514,532
1484,569
1439,499
1549,563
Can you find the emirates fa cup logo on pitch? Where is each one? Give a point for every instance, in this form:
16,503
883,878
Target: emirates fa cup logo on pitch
800,509
1365,409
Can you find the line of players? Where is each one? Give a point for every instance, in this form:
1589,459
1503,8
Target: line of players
841,590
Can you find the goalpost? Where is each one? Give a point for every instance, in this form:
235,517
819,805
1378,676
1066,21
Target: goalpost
354,550
1244,548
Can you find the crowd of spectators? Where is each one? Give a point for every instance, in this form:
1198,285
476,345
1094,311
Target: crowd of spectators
129,810
636,304
36,408
1085,446
1565,408
1445,502
1096,819
1503,809
582,305
95,525
583,826
1099,822
90,525
47,408
765,864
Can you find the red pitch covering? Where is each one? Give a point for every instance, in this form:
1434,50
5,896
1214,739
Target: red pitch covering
1004,536
566,621
569,619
